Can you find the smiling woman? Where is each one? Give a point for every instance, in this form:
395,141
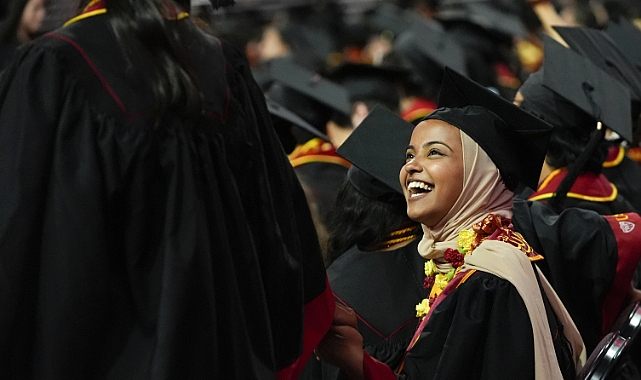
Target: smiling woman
463,163
433,171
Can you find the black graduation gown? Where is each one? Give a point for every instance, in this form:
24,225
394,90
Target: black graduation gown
589,260
580,253
481,330
7,52
589,192
625,174
129,249
383,288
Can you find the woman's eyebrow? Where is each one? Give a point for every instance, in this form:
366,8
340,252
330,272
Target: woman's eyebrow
427,144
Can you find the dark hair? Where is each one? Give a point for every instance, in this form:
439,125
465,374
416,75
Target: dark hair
565,146
9,24
358,220
140,25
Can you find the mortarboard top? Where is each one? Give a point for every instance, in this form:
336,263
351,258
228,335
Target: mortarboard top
602,51
585,85
364,81
482,14
284,120
311,84
377,147
628,38
433,44
388,17
517,147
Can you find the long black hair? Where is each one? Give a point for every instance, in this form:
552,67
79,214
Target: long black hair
141,26
359,220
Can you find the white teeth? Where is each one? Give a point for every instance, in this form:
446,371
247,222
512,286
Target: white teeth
419,185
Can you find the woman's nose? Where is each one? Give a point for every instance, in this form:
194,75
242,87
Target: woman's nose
411,166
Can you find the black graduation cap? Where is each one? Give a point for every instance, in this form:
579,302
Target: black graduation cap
368,82
517,146
388,17
306,93
628,38
482,14
435,45
585,85
377,147
311,84
602,51
285,122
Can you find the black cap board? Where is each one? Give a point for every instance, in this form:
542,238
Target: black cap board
368,82
311,84
484,15
388,17
585,85
628,38
602,51
377,147
433,44
284,120
515,140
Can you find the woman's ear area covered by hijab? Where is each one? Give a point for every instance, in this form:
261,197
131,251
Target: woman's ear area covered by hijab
432,177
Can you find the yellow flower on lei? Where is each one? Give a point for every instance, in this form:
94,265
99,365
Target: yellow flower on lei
465,240
430,268
422,308
441,280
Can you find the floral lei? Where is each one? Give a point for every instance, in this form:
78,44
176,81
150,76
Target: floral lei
493,227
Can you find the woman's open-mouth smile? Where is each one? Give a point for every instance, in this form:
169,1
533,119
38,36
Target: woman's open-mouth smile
419,188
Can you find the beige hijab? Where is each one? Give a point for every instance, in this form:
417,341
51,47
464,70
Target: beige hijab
483,193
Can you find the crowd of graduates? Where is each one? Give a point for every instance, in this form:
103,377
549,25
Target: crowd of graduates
250,196
572,64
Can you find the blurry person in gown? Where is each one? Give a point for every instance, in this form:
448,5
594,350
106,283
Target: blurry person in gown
151,225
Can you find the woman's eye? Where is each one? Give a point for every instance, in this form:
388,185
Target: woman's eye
433,152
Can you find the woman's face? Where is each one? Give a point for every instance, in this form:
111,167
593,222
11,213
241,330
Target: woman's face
432,177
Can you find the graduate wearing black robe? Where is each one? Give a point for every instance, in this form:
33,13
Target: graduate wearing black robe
476,327
395,280
589,191
135,247
589,260
625,174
